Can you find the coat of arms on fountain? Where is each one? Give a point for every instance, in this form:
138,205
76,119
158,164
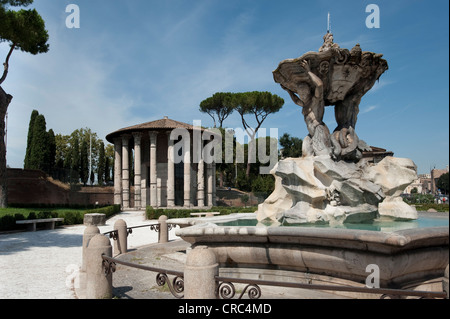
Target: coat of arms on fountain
331,76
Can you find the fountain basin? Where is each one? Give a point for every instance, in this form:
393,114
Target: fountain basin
404,257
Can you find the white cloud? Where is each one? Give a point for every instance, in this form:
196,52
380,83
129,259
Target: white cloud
368,109
67,86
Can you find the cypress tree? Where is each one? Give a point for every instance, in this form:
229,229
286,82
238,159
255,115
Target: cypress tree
101,164
75,165
50,161
84,163
39,142
34,114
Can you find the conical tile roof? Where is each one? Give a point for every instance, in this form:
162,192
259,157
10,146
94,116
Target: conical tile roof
164,124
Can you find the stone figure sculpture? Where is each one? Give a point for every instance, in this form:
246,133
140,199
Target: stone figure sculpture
331,182
343,77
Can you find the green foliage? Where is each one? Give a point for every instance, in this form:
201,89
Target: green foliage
443,183
242,182
102,166
75,163
217,105
108,210
84,163
442,208
22,29
155,213
72,156
15,3
34,114
25,30
9,216
244,199
41,145
7,222
264,184
260,104
420,199
291,146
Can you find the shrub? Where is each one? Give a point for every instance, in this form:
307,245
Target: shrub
153,213
7,222
32,215
44,215
108,210
71,217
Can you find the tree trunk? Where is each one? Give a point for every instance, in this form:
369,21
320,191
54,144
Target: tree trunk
5,99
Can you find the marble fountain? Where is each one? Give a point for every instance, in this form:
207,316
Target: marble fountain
332,185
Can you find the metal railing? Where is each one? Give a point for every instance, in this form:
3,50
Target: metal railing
113,234
176,285
227,290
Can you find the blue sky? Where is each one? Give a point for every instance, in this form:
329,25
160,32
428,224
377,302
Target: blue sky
136,61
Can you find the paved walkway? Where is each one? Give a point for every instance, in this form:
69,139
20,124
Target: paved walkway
42,264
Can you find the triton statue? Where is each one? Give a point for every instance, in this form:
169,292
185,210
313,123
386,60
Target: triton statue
331,76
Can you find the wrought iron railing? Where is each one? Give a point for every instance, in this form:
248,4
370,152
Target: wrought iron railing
227,290
176,285
113,234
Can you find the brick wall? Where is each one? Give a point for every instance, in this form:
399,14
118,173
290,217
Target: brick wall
35,187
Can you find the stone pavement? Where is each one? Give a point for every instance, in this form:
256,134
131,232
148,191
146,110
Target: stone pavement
132,283
43,264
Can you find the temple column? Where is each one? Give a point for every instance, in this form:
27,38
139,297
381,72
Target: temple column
118,171
144,170
153,170
170,173
210,184
201,183
187,175
137,170
213,172
125,172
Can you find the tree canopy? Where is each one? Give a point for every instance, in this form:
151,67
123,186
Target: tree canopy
217,105
443,183
67,157
23,29
256,104
41,147
291,146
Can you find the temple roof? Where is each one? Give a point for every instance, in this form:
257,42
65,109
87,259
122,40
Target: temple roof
164,124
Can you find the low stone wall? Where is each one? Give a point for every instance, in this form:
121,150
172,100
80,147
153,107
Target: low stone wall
403,257
27,187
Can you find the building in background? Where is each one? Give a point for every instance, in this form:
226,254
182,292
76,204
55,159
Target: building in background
142,155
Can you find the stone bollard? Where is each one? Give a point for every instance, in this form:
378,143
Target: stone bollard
199,274
445,283
121,243
99,285
94,219
88,234
163,236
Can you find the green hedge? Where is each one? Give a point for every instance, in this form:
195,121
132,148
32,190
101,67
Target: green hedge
439,207
71,217
155,213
